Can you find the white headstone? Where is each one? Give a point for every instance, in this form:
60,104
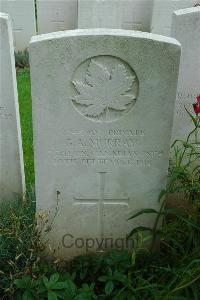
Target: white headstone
11,157
186,29
162,14
22,14
103,104
122,14
56,15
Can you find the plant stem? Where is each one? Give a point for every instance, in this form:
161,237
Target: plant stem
156,223
185,146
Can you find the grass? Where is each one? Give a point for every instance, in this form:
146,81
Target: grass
172,273
22,59
24,94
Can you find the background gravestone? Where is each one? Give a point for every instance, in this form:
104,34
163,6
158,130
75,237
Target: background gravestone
124,14
101,138
11,157
186,29
162,14
22,14
56,15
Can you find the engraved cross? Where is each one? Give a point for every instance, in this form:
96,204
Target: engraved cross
15,29
101,201
57,20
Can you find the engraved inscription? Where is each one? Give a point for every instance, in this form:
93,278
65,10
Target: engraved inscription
4,115
116,147
132,26
101,201
184,101
58,21
105,88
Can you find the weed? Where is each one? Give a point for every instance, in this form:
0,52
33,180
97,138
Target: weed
22,59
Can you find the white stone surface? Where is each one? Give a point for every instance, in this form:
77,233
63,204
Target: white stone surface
11,157
162,14
103,103
22,13
56,15
119,14
186,29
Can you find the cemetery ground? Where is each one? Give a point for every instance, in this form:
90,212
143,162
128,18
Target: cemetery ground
24,91
171,271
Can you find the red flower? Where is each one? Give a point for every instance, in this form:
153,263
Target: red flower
198,98
196,107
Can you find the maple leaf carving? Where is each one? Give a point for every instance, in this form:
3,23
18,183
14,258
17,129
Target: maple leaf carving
103,90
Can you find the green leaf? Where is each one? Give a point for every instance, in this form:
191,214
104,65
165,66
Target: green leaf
46,282
110,272
173,144
144,211
70,288
27,295
194,120
172,210
54,278
121,278
20,283
103,278
23,283
41,289
109,287
161,195
52,295
53,282
187,145
139,229
59,286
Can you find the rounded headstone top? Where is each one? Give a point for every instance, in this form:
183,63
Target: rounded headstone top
104,32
